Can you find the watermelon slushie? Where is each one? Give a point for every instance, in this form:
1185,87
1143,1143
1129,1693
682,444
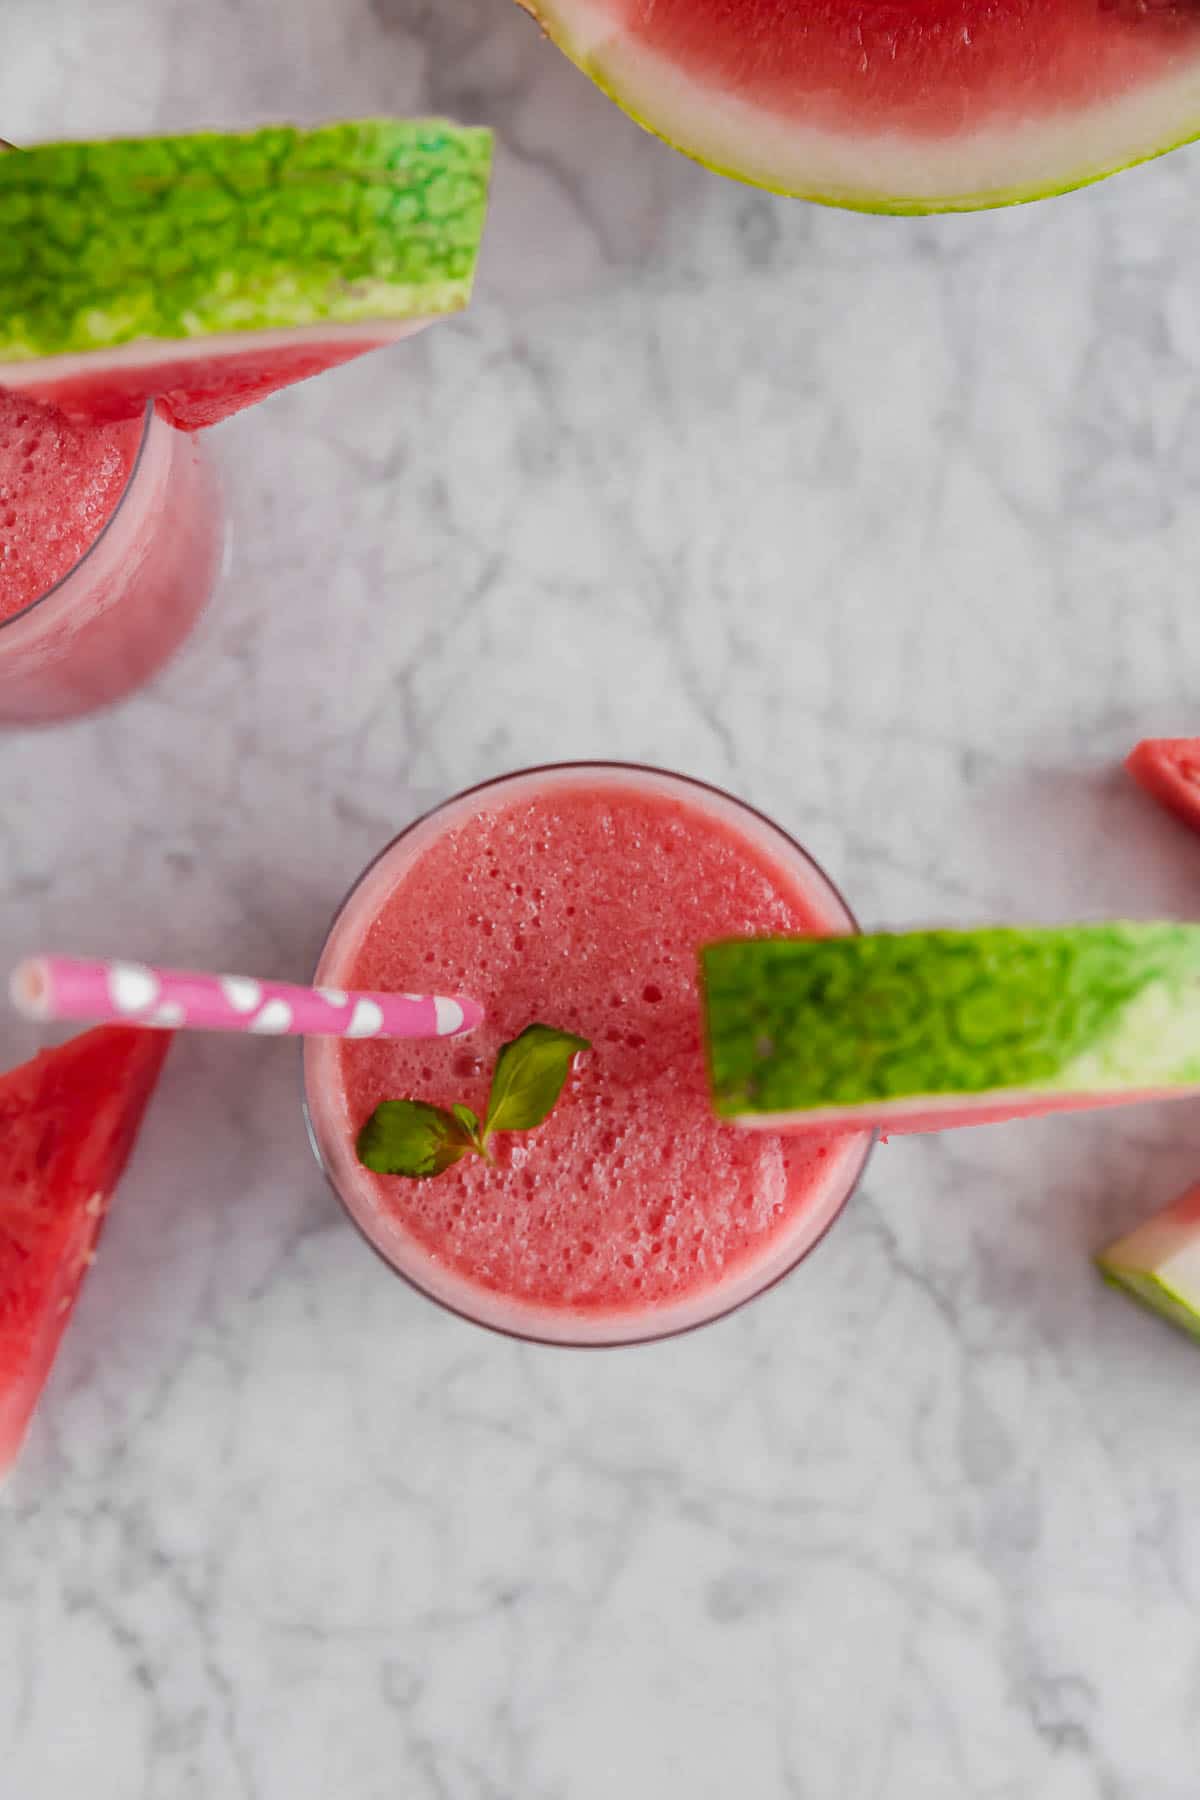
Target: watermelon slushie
110,540
578,897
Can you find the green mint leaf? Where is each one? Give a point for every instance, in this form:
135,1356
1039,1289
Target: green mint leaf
406,1137
409,1137
470,1123
529,1076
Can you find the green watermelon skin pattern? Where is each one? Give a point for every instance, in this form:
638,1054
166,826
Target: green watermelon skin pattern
177,238
803,1024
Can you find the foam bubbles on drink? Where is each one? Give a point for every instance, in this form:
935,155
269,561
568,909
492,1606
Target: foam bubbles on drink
584,909
60,481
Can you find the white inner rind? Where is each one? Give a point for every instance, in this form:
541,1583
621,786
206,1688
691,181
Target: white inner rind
148,353
948,1110
886,171
1166,1247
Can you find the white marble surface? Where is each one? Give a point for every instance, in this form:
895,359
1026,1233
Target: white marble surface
890,527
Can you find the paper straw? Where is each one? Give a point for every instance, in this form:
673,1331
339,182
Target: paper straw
63,987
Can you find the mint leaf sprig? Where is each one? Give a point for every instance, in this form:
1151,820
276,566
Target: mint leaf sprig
410,1137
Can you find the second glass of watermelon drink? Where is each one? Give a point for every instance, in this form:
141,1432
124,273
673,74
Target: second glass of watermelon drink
212,269
111,537
578,896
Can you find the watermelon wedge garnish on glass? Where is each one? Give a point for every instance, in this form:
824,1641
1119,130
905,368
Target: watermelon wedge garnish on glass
68,1122
923,1030
208,270
898,105
1169,769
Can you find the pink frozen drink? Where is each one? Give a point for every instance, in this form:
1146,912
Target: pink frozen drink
579,896
110,540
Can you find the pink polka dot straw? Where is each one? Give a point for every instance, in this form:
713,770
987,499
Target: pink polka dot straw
64,987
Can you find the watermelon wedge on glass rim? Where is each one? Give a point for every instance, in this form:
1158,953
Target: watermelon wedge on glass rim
904,106
925,1030
205,271
157,282
68,1123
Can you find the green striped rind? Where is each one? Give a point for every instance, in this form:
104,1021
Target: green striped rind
800,1024
103,244
1153,1291
1159,1262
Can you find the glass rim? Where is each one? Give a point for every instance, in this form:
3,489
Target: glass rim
869,1138
149,414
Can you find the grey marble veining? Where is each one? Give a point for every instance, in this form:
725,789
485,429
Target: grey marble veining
889,526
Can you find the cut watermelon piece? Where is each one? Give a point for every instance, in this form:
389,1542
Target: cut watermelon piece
68,1121
922,1030
1169,768
208,270
1159,1263
905,106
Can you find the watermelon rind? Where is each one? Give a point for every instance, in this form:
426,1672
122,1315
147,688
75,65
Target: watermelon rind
1159,1263
370,225
885,173
948,1023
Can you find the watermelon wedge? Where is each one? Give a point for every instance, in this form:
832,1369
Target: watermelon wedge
922,1030
209,270
1159,1263
68,1121
905,106
1169,769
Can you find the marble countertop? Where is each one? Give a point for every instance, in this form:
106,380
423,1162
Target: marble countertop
889,527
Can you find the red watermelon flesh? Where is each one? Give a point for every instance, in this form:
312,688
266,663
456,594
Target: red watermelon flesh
898,105
68,1122
198,385
925,66
1169,769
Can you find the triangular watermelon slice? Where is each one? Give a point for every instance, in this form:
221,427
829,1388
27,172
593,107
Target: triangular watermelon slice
68,1121
208,270
922,1030
905,106
1159,1263
1169,768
